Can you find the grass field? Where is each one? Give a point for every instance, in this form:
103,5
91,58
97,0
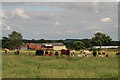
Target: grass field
23,66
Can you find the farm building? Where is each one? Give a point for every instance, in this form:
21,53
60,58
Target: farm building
105,47
58,46
45,46
34,46
31,46
54,46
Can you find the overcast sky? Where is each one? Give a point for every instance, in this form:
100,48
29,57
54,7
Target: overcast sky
60,20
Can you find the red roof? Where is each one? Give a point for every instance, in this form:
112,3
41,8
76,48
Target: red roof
38,47
34,46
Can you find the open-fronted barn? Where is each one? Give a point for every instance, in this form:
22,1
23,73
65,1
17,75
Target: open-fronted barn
54,46
45,46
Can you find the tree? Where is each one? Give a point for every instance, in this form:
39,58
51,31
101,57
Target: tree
42,41
15,39
100,39
78,45
5,42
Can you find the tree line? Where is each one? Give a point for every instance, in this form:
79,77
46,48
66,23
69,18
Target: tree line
15,40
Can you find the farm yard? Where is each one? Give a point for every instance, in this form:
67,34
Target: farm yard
26,66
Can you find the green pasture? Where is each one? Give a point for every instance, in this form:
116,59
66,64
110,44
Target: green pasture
24,66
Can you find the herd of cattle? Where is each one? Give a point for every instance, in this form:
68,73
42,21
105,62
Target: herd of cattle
82,53
68,52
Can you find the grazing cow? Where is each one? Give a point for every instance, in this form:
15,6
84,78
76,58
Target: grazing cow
17,51
118,53
81,55
51,53
107,55
81,51
104,54
87,53
94,53
6,51
99,52
46,52
65,52
39,52
56,53
73,52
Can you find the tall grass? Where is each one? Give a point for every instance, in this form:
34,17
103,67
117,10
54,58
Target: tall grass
23,66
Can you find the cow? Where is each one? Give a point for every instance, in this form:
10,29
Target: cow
104,54
17,51
65,52
46,52
56,54
99,53
73,53
107,55
87,53
51,53
81,55
39,52
95,53
6,51
118,53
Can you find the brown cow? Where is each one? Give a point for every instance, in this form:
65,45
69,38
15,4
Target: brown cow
51,53
65,52
118,53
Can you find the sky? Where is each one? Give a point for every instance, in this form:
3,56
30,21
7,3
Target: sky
59,20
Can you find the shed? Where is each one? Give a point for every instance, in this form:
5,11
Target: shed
58,46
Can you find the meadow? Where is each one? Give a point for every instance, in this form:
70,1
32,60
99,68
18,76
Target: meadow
24,66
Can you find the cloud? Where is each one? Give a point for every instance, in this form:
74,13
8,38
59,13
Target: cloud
98,31
5,26
69,31
57,23
2,14
8,28
106,20
20,12
1,22
82,18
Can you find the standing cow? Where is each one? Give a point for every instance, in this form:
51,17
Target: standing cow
6,51
87,53
65,52
73,53
17,51
118,53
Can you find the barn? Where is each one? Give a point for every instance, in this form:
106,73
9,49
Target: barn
105,47
45,46
58,46
34,46
54,46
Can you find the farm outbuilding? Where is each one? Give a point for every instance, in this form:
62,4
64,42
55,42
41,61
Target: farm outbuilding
45,46
54,46
34,46
58,46
105,47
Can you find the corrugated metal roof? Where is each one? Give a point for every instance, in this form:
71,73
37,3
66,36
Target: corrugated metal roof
53,44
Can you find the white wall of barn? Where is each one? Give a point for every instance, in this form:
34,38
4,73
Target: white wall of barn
105,47
59,47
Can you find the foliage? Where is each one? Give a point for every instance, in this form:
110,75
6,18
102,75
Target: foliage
100,39
42,41
78,45
14,40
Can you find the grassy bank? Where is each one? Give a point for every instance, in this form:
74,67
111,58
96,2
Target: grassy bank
23,66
